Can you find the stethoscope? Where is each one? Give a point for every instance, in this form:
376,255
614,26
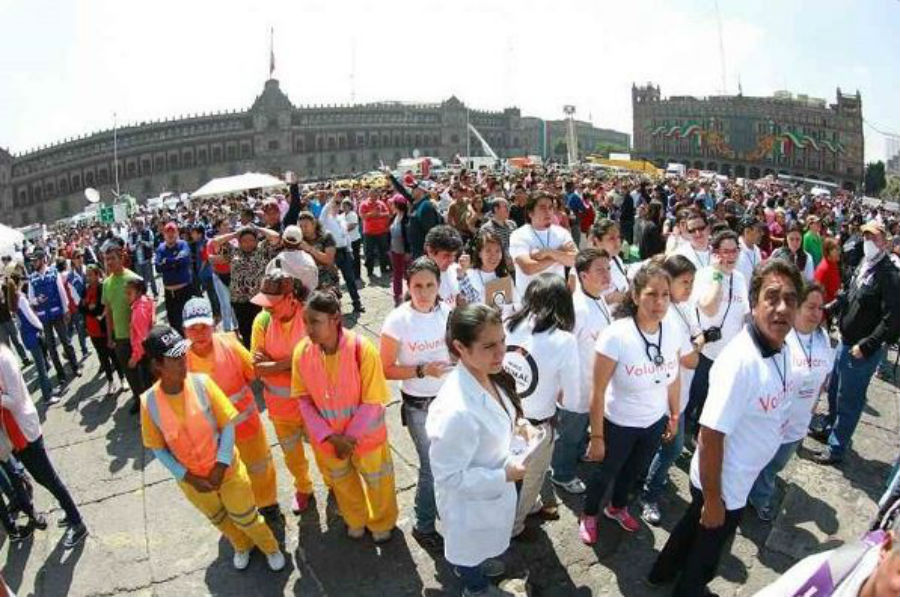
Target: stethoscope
653,350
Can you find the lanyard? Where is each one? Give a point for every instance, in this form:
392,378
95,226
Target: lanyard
687,324
697,255
807,352
728,306
600,306
544,245
615,259
781,371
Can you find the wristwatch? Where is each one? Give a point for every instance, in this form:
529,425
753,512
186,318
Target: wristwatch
420,371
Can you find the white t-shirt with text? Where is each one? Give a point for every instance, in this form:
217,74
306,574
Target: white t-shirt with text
421,338
734,289
592,316
525,239
812,359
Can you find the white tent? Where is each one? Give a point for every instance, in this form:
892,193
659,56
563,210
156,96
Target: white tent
234,184
11,240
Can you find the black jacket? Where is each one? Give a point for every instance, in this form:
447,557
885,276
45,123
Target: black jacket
869,312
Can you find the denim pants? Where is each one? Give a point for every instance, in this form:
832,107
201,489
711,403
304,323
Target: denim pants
53,329
145,270
376,247
764,486
425,508
847,396
344,262
628,452
76,326
9,334
224,295
658,473
571,444
473,578
40,365
37,463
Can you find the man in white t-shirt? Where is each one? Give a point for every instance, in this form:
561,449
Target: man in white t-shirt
442,244
540,247
592,315
697,247
720,301
350,222
741,431
750,229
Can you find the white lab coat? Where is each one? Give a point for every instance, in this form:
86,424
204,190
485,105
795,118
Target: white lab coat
470,438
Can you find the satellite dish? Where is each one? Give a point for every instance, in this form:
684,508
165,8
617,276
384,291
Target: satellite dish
92,195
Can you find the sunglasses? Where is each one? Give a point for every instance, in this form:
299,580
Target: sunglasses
696,230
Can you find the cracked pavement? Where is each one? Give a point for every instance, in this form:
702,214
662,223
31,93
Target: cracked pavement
147,540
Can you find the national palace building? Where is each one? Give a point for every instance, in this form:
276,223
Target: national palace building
316,142
752,136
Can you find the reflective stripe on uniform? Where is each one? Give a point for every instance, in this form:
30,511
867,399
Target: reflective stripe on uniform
342,413
258,467
244,415
237,396
278,391
291,440
386,469
340,473
241,519
202,399
218,517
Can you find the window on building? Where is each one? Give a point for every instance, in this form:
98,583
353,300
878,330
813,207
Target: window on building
159,164
201,156
217,154
103,176
89,179
131,169
311,162
232,152
173,162
245,149
454,139
63,185
188,160
76,183
273,146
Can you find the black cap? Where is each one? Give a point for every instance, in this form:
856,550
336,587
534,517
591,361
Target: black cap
38,254
748,222
165,341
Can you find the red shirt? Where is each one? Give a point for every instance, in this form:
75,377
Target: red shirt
380,222
828,274
219,268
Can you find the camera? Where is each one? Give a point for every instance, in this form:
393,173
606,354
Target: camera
713,334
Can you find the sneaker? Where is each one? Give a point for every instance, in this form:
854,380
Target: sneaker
650,513
63,522
300,502
38,522
276,561
54,398
380,537
431,541
765,513
20,533
574,485
587,529
356,533
26,363
78,371
75,535
623,517
826,457
359,309
241,559
820,435
493,567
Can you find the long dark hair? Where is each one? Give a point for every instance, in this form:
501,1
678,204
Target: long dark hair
547,299
483,237
651,269
784,252
465,325
422,264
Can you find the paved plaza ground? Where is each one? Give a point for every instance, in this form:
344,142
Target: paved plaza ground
146,539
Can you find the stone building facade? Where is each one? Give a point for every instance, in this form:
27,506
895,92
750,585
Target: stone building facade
753,136
181,154
544,137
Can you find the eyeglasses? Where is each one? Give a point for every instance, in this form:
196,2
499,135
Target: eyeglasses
727,251
696,230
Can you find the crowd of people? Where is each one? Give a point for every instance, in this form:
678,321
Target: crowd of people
571,326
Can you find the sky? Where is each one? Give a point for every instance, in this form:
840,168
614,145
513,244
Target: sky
68,65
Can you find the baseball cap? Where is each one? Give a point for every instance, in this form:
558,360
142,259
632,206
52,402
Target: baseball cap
197,311
165,341
873,227
269,203
170,226
749,222
273,287
292,235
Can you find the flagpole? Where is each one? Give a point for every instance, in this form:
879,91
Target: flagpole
116,153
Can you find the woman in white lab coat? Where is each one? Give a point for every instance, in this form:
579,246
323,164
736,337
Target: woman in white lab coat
470,425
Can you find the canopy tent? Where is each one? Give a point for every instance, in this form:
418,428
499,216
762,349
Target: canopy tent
235,184
11,240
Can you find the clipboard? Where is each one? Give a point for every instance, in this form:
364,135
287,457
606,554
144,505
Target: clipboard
499,292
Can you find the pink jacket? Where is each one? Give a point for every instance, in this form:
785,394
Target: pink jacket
143,314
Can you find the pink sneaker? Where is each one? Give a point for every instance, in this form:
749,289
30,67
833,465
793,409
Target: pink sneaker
587,529
300,502
623,517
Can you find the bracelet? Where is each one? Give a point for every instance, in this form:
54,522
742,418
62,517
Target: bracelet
594,435
420,371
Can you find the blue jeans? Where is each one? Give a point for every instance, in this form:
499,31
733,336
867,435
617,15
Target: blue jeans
425,508
10,335
344,262
658,473
764,486
40,365
76,326
224,295
571,443
847,396
473,578
145,270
